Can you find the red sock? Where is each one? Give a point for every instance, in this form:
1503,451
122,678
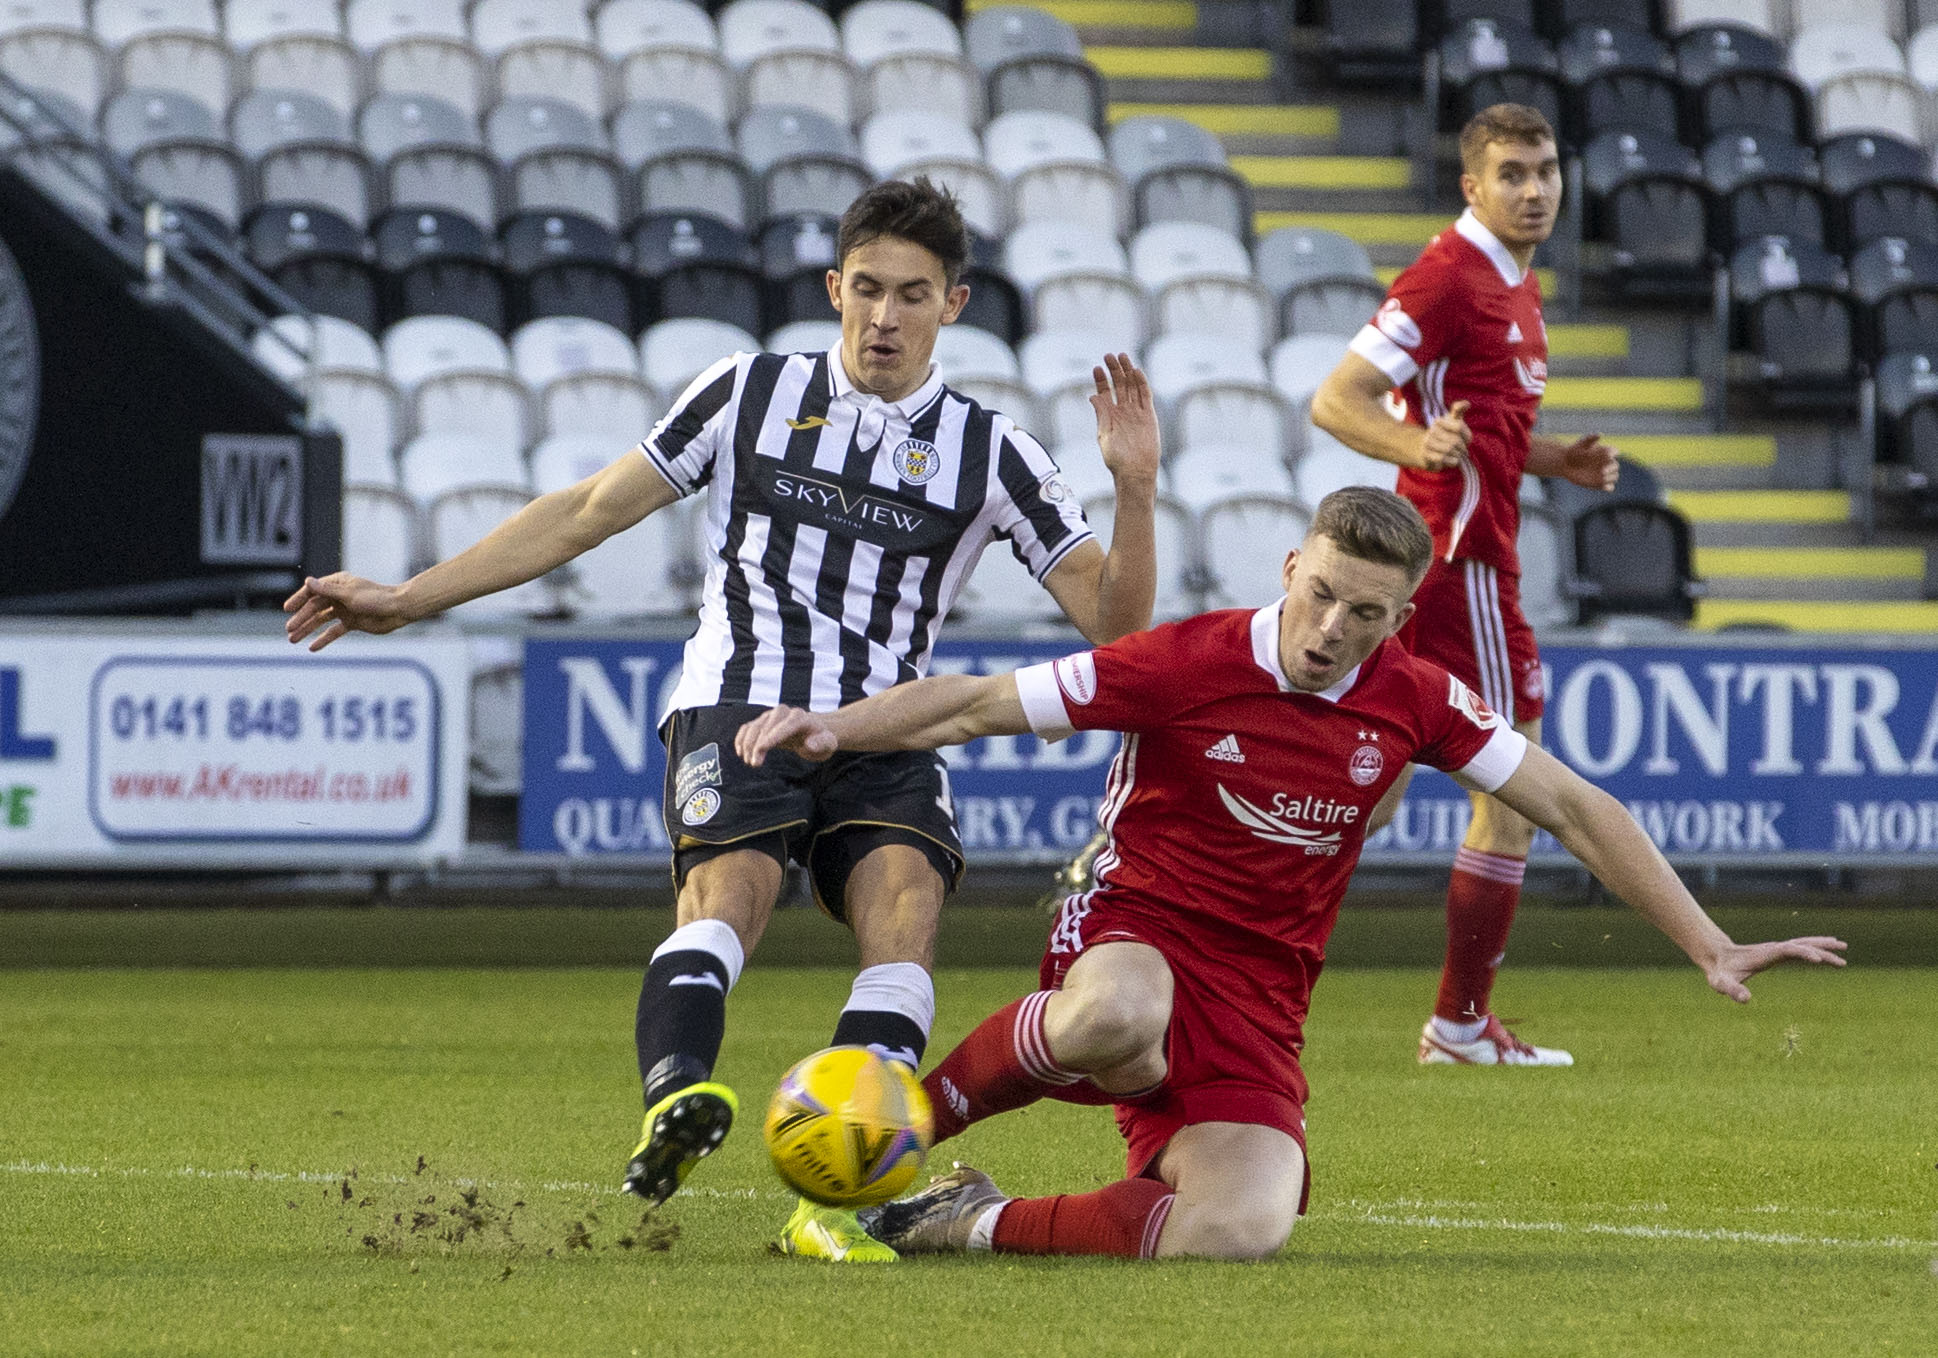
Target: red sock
1004,1064
1125,1219
1480,910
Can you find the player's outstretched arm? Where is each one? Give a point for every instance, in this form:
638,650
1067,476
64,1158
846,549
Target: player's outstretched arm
925,714
1111,594
541,537
1351,406
1595,828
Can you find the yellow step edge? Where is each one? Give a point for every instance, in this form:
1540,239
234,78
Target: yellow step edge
1368,228
1623,393
1812,563
1153,14
1697,450
1181,63
1242,120
1825,615
1586,341
1325,172
1544,276
1763,506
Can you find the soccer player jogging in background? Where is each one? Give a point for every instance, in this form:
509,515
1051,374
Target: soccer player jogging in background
1257,744
1460,336
849,495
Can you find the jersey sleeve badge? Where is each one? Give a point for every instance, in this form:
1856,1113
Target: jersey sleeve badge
1467,702
1396,325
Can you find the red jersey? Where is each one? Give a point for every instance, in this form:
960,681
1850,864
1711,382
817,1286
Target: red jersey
1237,806
1463,323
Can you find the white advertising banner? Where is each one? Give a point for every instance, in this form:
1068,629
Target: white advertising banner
194,748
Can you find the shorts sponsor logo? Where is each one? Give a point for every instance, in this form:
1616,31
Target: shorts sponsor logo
1467,702
916,461
1365,765
701,807
1396,325
700,769
1076,675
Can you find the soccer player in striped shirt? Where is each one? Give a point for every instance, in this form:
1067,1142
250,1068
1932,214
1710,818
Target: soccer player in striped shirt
1460,336
1256,745
849,495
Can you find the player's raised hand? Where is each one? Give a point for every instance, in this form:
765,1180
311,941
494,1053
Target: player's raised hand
1590,462
1446,439
1126,420
784,728
342,603
1738,962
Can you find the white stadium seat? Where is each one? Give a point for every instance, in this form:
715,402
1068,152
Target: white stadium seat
1542,547
1886,16
875,29
751,29
891,140
805,337
464,488
381,534
364,409
456,375
673,353
336,344
1869,101
1059,366
1057,170
1329,465
1248,518
292,45
910,59
1200,281
422,346
1210,473
1760,15
647,569
982,367
1077,277
1043,250
584,377
1300,363
667,49
543,48
1827,50
420,47
46,44
1211,388
1177,551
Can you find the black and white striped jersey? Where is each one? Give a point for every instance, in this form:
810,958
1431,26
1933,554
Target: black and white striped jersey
839,527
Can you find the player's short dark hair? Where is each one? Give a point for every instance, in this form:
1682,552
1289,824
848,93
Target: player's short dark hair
913,210
1376,525
1501,122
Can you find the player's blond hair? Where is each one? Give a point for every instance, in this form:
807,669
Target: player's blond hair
1376,525
1515,123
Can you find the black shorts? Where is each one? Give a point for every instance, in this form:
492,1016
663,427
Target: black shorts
825,816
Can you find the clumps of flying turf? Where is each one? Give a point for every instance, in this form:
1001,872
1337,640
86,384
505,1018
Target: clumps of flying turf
426,1213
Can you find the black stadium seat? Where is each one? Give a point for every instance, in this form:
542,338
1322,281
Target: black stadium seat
692,265
1907,414
995,302
1456,14
1793,312
1564,16
1634,557
1646,200
795,255
1736,80
1374,41
438,263
1763,184
1618,79
318,257
1896,282
1490,62
1882,186
563,264
1633,481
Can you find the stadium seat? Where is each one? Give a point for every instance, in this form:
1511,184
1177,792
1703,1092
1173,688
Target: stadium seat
750,29
1737,82
684,161
350,390
1764,184
1207,474
1793,313
430,156
1489,61
542,48
1374,42
995,302
1895,281
983,367
1200,280
168,45
1633,481
1869,101
805,161
1077,277
420,47
319,258
910,56
1178,173
805,337
673,353
284,45
1033,61
381,533
1618,79
905,143
1646,200
1634,558
1058,367
1564,16
1004,33
666,49
1825,51
1456,14
695,266
178,149
438,263
1907,414
1298,364
1179,574
555,159
1886,16
464,488
1328,465
1542,545
496,713
455,376
1208,389
584,376
1757,16
1324,281
302,151
46,44
788,55
1056,171
646,569
1882,187
1001,591
795,256
564,264
1243,537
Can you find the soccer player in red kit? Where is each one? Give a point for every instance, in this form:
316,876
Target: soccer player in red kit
1460,337
1256,745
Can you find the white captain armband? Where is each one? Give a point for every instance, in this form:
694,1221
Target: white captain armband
1042,698
1496,762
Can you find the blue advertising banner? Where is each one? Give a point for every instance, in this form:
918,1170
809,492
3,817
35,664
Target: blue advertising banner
1723,753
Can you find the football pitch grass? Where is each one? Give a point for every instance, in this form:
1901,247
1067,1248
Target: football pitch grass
177,1145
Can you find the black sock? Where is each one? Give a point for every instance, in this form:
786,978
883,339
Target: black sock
896,1036
682,1017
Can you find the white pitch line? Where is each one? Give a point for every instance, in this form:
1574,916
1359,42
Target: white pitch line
1375,1214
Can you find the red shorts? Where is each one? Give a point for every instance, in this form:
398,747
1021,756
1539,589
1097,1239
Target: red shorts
1467,620
1231,1052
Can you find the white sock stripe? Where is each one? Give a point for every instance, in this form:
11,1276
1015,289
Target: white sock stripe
709,936
1492,867
903,988
1154,1226
1032,1048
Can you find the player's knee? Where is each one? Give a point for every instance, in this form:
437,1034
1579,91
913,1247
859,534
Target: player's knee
1115,1023
1238,1231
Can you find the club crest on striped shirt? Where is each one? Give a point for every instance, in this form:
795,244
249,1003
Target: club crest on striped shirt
916,461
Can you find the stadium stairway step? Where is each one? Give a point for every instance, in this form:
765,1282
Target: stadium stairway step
1251,129
1117,22
1338,183
1798,573
1221,75
1819,615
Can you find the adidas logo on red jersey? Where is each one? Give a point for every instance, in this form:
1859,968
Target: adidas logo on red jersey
1227,750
